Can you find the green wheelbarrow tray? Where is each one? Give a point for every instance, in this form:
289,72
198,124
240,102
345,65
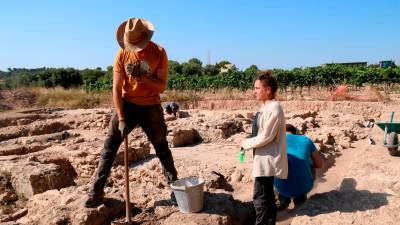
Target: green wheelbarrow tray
390,139
391,127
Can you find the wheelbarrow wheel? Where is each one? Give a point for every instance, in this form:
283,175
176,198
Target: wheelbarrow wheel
392,142
393,151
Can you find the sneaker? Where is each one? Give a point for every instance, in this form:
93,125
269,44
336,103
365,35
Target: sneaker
93,200
284,203
282,206
298,201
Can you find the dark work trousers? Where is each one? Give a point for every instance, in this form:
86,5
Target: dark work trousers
264,201
264,196
151,120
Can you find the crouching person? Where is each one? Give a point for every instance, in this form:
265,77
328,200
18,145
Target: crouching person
172,108
303,158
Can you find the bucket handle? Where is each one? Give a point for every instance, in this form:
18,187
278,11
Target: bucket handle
181,188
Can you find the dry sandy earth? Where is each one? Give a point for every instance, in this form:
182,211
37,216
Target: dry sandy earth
48,156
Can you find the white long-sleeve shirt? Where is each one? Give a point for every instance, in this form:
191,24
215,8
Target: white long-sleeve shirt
270,157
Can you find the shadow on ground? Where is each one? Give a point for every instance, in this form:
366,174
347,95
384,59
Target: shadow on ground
223,204
346,199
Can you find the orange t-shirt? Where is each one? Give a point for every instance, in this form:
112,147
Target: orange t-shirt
156,62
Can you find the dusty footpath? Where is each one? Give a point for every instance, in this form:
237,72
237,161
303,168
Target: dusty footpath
48,156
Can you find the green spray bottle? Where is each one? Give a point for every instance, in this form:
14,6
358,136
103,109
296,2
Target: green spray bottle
241,155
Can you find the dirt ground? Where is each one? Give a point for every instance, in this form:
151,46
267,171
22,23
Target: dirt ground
48,156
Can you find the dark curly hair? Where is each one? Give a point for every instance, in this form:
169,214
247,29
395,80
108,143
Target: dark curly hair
291,129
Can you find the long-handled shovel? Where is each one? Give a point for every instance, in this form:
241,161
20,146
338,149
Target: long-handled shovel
127,198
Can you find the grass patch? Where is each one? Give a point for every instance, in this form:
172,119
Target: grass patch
71,98
181,96
219,94
191,98
79,98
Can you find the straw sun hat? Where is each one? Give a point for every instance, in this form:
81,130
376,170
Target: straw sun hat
134,34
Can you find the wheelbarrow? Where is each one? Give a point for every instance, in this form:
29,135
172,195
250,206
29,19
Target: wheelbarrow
390,138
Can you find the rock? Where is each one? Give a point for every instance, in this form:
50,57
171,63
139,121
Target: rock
396,187
169,118
78,140
43,127
32,178
230,128
86,125
328,139
299,123
345,142
250,115
20,213
7,197
350,135
19,149
371,141
238,115
134,153
183,114
247,121
7,218
237,176
188,219
334,115
304,115
49,208
310,120
180,137
35,128
24,121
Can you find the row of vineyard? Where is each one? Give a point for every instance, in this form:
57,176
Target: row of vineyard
192,75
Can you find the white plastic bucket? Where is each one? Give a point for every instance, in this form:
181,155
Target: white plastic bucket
189,194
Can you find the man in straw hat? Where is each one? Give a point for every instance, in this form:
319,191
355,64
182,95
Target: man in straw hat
140,75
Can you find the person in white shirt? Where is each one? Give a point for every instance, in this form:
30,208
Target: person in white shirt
269,145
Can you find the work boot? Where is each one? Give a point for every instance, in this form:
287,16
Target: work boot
93,200
284,203
172,199
282,206
300,200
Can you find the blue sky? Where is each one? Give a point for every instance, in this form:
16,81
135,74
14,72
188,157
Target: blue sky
267,33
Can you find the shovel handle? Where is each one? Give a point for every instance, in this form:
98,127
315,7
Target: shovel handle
127,198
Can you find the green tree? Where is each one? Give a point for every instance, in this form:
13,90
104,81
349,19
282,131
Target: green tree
251,71
309,78
174,67
192,67
222,64
90,78
211,70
